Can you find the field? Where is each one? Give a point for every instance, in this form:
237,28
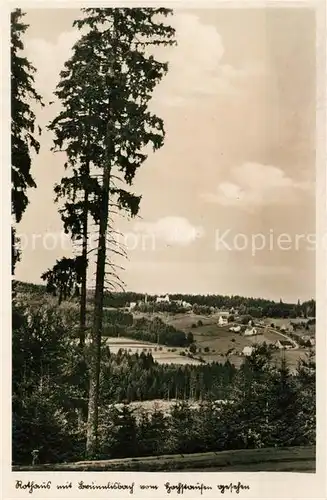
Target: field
223,344
163,356
162,405
297,459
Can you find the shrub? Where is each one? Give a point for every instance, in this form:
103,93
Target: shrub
206,349
190,338
192,348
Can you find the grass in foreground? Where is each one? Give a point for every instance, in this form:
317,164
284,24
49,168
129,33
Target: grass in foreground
295,459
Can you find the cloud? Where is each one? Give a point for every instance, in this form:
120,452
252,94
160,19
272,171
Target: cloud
49,58
171,230
196,66
254,184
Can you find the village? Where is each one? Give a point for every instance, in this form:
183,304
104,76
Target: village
218,333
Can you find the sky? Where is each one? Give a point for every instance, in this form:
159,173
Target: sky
228,203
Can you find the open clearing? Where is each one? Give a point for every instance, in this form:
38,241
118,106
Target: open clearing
221,341
163,356
163,405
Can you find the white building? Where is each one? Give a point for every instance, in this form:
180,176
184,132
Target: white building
307,338
250,331
132,306
223,320
235,329
247,351
163,299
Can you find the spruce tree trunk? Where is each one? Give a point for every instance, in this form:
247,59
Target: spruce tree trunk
84,275
94,372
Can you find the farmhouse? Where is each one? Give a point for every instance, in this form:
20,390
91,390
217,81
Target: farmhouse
250,331
182,303
235,329
309,340
284,344
163,299
223,320
247,351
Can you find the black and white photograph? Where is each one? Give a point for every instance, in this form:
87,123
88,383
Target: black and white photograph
163,243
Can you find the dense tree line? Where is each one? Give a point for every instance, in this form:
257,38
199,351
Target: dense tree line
157,331
201,304
119,323
137,377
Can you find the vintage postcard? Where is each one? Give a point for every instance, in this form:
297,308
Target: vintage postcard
164,323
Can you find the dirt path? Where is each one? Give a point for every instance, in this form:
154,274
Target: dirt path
293,342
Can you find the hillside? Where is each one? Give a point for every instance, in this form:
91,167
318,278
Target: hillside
214,343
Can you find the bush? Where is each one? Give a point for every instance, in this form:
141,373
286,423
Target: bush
206,349
245,319
190,338
192,348
200,322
